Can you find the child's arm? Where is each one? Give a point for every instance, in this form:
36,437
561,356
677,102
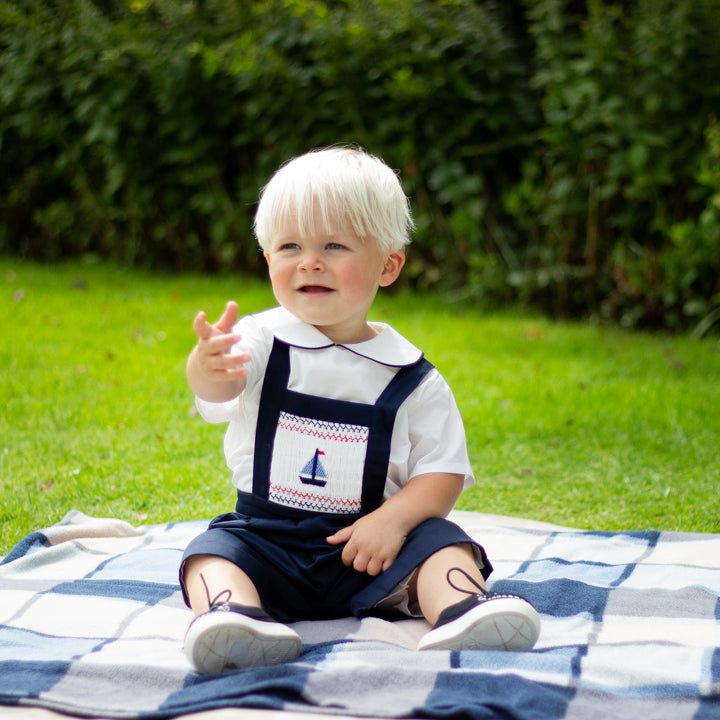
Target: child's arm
373,542
212,372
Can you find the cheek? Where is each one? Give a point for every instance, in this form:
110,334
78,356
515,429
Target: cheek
360,282
279,280
276,270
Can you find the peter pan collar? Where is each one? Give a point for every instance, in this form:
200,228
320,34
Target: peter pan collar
388,347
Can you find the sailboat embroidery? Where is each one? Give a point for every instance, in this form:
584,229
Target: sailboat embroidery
314,473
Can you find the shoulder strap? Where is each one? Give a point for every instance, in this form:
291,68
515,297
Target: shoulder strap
277,374
378,453
402,385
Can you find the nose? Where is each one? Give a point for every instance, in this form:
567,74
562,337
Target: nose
310,261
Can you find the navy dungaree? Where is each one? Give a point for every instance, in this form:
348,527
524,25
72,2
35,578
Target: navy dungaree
319,465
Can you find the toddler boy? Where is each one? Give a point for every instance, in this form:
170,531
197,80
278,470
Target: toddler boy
346,445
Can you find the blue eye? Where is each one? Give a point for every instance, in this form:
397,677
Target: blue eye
335,246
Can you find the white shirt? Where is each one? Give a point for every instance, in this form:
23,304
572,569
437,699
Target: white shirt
428,435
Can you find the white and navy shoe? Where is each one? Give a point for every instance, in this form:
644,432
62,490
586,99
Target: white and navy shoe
484,621
231,637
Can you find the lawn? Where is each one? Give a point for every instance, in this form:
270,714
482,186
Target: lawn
570,423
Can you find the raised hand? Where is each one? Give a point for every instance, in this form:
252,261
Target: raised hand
213,372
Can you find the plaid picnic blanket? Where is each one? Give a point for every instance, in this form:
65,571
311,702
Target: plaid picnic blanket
92,622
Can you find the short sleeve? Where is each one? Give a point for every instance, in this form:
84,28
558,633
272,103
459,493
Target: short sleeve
217,412
436,432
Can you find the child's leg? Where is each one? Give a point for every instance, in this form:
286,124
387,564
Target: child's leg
231,631
434,592
208,579
453,597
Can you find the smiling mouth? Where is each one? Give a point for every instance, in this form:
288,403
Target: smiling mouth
315,290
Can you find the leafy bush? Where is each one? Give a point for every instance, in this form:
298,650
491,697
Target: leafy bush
628,91
144,132
117,141
557,156
690,264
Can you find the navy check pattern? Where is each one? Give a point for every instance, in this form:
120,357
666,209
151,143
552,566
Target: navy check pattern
92,622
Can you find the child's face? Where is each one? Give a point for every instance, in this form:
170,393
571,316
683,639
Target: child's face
330,281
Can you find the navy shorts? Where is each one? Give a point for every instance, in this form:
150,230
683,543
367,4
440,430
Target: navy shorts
298,574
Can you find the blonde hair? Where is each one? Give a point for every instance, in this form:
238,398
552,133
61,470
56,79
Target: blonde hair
332,190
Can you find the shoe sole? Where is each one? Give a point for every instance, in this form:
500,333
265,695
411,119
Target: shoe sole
501,624
231,643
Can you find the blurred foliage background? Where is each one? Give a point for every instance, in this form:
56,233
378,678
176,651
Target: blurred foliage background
559,154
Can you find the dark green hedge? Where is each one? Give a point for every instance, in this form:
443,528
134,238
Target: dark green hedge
558,153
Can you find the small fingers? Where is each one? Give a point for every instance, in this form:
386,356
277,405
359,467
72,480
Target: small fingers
201,327
204,330
349,556
227,364
222,362
340,536
374,567
361,561
228,318
218,344
379,563
354,560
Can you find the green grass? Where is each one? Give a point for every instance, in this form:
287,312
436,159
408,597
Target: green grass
573,424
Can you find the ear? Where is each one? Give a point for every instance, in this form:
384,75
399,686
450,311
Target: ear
266,255
393,265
